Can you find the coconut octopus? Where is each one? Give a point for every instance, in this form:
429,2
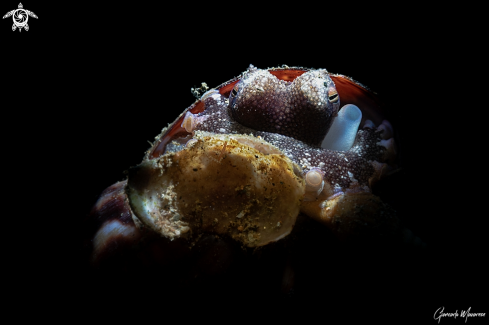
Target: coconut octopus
243,165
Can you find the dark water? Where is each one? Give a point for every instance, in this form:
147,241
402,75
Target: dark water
84,98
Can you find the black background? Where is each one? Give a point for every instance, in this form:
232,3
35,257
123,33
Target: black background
88,86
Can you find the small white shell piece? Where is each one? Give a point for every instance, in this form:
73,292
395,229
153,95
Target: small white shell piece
344,129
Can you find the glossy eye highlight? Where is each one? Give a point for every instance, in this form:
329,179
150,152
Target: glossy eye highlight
333,96
234,94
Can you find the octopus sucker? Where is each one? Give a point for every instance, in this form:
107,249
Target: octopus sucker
115,228
250,159
368,124
314,184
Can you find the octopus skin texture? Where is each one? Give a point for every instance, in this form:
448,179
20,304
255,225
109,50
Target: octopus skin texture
251,162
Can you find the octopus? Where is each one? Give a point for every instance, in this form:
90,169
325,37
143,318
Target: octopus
244,169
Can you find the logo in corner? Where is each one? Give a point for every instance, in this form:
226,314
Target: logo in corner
20,17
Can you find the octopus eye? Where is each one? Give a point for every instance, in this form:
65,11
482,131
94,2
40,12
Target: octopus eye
234,95
333,95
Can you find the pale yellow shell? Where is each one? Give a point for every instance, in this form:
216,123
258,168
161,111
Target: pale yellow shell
239,185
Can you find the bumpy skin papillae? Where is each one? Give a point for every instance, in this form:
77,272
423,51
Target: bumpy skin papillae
302,109
335,164
344,203
345,173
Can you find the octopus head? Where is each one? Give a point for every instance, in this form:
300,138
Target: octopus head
303,109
